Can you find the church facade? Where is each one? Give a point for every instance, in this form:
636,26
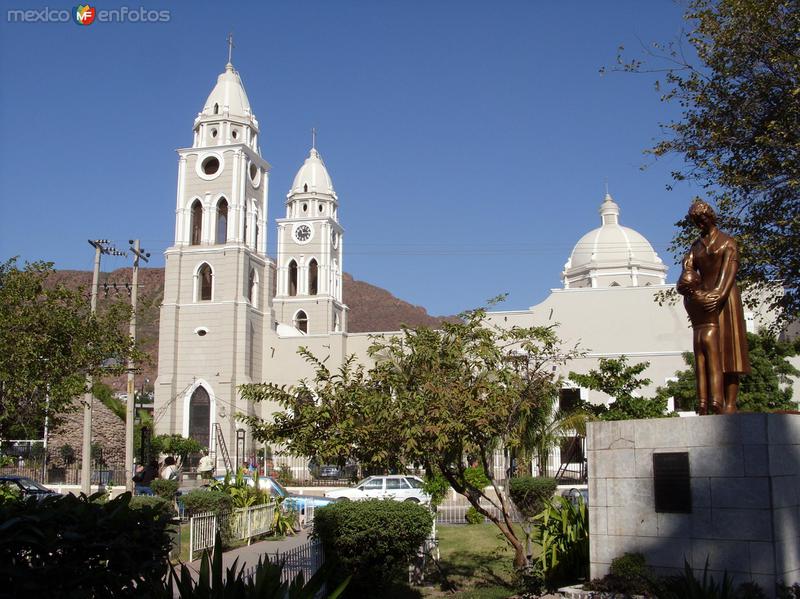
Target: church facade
223,325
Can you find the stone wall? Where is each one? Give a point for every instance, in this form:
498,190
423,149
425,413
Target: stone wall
108,430
744,477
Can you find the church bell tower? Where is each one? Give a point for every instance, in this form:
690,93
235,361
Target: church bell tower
309,258
216,282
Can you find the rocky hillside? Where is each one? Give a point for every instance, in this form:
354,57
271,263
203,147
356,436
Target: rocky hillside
371,308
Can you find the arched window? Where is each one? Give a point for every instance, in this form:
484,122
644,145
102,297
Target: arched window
313,270
222,221
200,416
305,187
292,278
252,287
197,223
205,282
216,108
301,322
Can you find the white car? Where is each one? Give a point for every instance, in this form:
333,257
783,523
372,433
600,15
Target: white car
392,486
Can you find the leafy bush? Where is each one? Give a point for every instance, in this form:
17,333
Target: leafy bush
74,547
564,538
530,494
476,476
9,493
628,574
207,500
231,583
164,488
371,540
473,516
285,476
157,504
436,486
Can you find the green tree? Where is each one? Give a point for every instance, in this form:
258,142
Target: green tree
175,445
442,399
616,378
767,388
739,133
49,342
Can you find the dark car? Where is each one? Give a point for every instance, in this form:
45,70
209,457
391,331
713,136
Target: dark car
27,486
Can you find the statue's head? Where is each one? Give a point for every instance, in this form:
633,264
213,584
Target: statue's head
699,212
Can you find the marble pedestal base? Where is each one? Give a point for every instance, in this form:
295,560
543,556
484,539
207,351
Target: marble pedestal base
744,476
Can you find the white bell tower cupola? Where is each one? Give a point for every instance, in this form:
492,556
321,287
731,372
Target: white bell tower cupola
309,259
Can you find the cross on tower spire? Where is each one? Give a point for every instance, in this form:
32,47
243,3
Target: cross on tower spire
314,138
230,47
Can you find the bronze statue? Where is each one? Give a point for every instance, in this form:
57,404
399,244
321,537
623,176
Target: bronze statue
714,305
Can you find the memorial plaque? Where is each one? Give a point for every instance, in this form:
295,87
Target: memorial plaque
672,489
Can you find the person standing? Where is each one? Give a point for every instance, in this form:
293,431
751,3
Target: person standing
206,466
170,471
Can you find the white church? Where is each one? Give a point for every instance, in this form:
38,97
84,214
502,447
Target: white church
223,325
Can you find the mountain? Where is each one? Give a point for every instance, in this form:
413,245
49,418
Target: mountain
371,308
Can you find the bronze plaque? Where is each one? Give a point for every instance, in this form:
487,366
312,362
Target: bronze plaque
672,488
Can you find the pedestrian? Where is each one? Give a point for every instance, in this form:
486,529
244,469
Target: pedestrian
206,466
170,471
143,477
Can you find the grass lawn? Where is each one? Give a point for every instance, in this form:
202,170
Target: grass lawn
476,560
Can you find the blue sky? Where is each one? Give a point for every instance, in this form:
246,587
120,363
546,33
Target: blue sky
468,142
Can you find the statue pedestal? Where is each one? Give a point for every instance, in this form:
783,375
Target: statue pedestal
742,487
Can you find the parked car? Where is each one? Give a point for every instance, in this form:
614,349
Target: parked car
292,501
391,486
27,486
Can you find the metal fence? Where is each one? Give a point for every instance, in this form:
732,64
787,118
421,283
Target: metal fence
454,507
307,559
241,524
102,473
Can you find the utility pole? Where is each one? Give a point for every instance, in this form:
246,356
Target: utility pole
100,247
130,404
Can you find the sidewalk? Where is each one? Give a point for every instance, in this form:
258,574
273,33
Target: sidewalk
249,555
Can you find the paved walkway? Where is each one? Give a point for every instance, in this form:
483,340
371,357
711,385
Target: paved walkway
249,555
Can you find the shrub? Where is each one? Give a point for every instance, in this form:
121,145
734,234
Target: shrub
628,574
686,586
530,494
157,504
564,539
371,540
476,476
73,547
473,516
436,486
165,488
206,500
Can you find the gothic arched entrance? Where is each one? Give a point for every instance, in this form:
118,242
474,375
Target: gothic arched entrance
200,416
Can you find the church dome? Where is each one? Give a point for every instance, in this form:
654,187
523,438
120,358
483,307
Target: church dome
613,255
312,177
228,97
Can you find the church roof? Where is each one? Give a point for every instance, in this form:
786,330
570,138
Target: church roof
314,175
612,247
228,96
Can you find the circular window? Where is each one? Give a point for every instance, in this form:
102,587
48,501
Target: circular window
210,165
213,133
201,331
